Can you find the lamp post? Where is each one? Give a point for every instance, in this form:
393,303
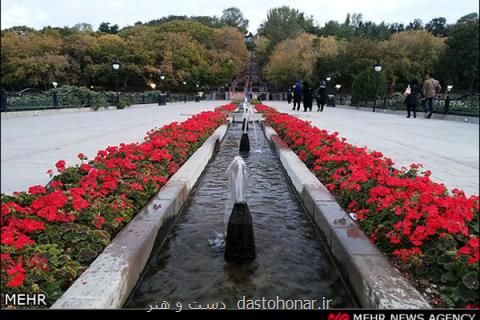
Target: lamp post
115,67
162,79
185,90
337,87
377,67
55,94
328,79
250,46
447,98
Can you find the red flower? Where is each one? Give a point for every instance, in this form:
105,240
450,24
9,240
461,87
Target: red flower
99,221
19,274
85,167
60,165
36,190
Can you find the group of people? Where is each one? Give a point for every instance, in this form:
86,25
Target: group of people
429,90
305,93
413,94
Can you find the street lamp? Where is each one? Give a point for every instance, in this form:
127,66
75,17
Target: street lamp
153,86
328,78
377,67
55,95
447,99
115,68
185,89
249,41
337,87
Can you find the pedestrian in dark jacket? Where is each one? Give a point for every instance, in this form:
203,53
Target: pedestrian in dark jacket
307,96
411,100
297,95
321,97
289,96
431,87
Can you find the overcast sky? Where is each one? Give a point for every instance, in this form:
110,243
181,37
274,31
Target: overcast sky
59,13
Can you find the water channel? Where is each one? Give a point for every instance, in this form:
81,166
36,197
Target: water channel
291,261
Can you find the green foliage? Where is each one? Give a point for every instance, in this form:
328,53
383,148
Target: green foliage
62,270
283,23
368,85
193,29
81,242
233,17
124,101
460,62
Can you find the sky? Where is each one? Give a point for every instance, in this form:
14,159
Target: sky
60,13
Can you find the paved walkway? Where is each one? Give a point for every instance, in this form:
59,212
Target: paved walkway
33,144
450,149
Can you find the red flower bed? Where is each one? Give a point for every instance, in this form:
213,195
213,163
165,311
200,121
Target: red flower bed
50,234
229,107
430,234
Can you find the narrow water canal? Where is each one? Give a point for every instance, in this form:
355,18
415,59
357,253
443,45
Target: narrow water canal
291,261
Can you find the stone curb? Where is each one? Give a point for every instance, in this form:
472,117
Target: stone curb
376,283
108,281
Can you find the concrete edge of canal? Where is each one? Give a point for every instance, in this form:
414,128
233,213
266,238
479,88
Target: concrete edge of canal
111,277
376,283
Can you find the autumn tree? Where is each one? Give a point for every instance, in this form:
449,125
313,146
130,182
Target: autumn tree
32,59
410,54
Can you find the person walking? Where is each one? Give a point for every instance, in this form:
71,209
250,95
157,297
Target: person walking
297,95
321,97
431,87
412,93
289,96
307,96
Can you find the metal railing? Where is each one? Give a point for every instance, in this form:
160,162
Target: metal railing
33,99
461,105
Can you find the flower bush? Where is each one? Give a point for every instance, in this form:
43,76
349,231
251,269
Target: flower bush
50,234
430,234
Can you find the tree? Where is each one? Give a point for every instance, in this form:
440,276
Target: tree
106,28
410,54
83,27
437,26
195,30
33,59
261,54
233,17
416,24
283,23
231,44
294,59
368,85
460,63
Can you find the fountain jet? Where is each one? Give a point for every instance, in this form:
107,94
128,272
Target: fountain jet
244,141
240,240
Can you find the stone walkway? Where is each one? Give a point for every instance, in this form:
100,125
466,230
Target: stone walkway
33,144
450,149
